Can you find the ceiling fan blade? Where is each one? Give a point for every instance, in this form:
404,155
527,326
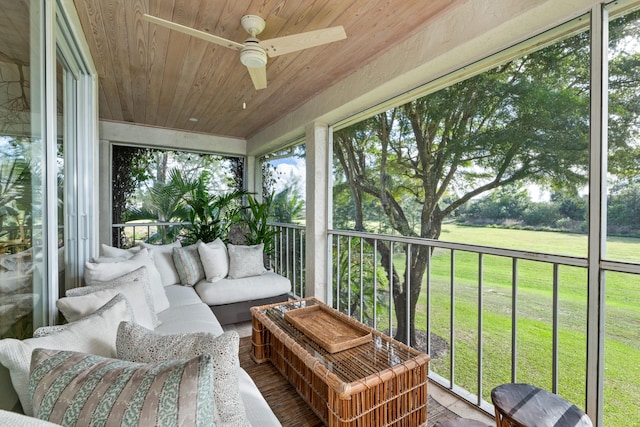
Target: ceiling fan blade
193,32
287,44
258,77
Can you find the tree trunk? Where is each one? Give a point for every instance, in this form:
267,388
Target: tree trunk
412,280
161,171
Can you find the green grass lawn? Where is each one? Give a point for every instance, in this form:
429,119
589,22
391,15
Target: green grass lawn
535,317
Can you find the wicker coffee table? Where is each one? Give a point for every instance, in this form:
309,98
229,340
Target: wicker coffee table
381,382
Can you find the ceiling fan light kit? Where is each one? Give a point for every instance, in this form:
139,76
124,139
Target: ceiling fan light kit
253,52
253,55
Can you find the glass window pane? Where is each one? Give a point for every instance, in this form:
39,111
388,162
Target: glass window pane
22,289
284,179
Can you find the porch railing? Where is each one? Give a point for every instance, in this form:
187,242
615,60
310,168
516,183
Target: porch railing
288,257
470,353
130,234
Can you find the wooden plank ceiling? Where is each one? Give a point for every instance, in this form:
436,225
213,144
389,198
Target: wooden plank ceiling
154,76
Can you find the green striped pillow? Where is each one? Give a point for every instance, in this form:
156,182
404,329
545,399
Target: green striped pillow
78,389
188,264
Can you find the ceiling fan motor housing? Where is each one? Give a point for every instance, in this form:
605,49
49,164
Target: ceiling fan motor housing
252,24
253,55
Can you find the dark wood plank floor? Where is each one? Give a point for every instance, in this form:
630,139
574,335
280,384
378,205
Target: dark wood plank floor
289,407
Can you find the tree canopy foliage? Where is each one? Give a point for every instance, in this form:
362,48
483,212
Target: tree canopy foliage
524,121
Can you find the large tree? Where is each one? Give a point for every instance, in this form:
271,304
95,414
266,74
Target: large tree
524,121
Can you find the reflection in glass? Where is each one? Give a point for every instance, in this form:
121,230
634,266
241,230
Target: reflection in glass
21,269
60,172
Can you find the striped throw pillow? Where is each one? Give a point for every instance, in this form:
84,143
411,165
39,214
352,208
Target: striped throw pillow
78,389
188,264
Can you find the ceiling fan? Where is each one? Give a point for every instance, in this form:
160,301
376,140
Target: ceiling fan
253,52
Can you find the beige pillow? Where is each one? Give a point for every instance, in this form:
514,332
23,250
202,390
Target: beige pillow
100,272
246,261
81,302
215,260
138,344
163,258
95,334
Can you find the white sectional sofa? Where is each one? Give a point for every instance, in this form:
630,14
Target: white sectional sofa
186,314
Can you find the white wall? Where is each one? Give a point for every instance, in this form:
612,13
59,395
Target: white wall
127,133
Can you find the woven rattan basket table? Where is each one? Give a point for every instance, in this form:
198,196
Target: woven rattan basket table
379,383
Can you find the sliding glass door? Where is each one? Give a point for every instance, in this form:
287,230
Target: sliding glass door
46,108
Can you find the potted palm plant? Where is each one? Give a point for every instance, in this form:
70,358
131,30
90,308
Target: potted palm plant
255,217
210,215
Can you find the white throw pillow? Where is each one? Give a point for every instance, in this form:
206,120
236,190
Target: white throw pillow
139,344
110,251
94,334
81,302
215,260
163,258
98,273
245,261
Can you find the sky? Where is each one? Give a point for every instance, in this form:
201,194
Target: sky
289,170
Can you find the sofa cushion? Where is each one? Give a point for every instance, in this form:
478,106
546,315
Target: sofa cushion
80,389
189,318
188,264
98,273
94,334
179,295
227,291
163,259
246,261
81,302
215,260
258,411
139,344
